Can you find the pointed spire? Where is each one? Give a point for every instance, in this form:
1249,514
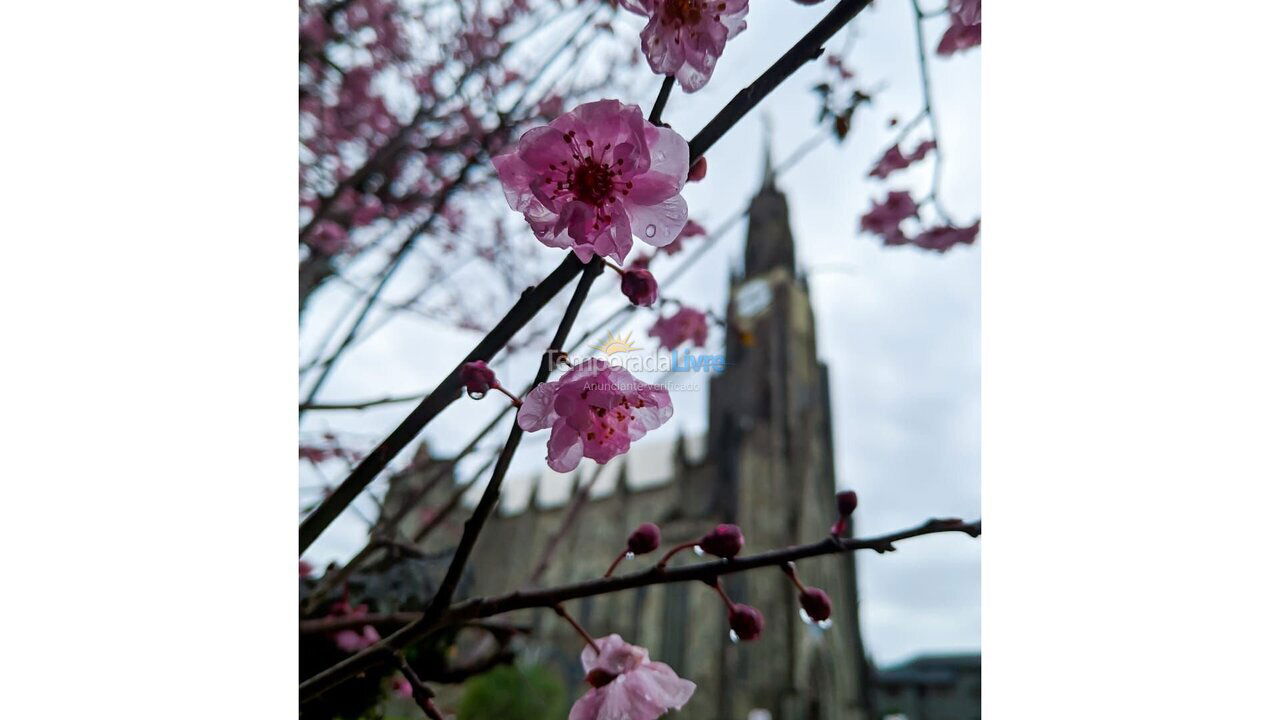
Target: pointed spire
766,180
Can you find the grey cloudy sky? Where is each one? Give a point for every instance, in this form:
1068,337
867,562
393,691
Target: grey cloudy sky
898,327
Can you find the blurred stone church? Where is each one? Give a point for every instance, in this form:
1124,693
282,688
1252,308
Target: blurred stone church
766,464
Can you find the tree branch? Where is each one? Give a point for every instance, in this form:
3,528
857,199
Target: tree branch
485,607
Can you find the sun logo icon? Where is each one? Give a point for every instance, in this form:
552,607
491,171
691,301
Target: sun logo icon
614,344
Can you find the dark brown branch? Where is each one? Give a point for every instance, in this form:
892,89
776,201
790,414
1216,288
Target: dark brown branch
808,48
486,607
664,93
361,404
450,388
422,694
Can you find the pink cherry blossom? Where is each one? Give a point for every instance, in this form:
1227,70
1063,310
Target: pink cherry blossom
684,38
595,410
966,27
686,324
943,238
402,688
969,11
596,175
893,159
627,685
885,217
328,238
353,640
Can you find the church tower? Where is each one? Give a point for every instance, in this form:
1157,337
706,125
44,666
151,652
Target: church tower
771,436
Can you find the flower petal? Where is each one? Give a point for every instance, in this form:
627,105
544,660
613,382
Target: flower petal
659,224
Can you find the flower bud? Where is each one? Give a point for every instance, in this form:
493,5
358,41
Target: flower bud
746,622
479,378
698,169
644,539
639,286
816,604
846,502
725,541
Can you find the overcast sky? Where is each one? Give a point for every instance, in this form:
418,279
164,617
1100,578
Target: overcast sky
898,327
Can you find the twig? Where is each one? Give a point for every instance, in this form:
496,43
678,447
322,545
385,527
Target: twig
422,694
808,48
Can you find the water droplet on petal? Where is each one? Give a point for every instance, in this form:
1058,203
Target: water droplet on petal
804,616
733,637
697,550
650,231
824,624
475,395
630,555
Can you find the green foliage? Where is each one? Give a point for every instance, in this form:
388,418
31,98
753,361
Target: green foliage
512,691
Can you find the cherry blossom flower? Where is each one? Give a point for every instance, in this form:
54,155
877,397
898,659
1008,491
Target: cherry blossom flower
684,38
596,175
595,410
969,11
885,217
353,640
402,688
639,286
328,238
893,159
627,685
686,324
966,27
942,239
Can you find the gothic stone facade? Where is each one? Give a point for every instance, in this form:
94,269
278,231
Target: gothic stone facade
767,465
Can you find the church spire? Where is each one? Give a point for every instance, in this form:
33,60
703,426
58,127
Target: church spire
766,178
769,241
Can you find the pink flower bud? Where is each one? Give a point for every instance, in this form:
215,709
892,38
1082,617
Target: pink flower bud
639,286
644,539
816,604
725,541
746,622
846,502
478,378
698,170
